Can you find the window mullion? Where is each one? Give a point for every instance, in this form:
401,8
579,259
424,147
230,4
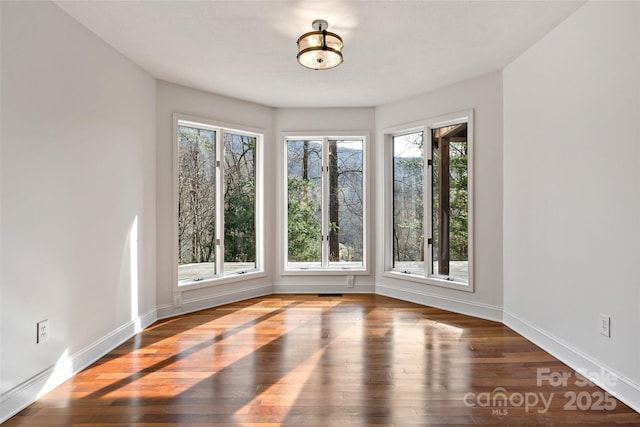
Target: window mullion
325,203
220,137
428,205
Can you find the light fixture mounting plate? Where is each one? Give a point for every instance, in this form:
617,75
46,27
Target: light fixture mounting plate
320,24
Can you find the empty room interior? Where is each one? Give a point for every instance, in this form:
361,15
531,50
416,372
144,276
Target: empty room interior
320,213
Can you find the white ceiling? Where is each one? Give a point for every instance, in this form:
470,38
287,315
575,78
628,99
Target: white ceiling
247,49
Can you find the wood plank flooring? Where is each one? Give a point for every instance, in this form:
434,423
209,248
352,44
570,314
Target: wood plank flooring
305,360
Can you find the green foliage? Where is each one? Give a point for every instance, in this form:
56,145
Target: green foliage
458,203
240,224
239,199
304,224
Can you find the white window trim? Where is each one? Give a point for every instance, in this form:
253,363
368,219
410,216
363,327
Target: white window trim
426,126
220,128
283,211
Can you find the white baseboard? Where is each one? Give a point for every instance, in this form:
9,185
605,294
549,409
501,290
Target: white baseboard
624,389
475,309
21,396
323,288
214,300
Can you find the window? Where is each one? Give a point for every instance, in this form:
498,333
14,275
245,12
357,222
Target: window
325,219
449,254
217,197
408,202
430,226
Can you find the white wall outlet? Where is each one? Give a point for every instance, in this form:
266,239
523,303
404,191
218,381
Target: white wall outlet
349,281
177,300
42,331
605,325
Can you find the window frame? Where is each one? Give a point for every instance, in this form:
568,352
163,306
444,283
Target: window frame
426,127
324,137
221,128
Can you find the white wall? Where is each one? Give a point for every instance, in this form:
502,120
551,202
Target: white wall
78,183
359,121
172,99
572,191
484,96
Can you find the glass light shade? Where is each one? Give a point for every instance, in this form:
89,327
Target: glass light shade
320,50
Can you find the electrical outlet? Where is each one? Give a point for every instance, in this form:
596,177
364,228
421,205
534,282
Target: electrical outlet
177,300
42,331
605,325
349,281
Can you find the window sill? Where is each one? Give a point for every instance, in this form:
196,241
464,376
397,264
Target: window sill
191,285
325,271
443,283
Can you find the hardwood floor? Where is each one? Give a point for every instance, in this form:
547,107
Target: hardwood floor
305,360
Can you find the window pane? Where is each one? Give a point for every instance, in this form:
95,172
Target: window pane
408,203
450,249
304,180
239,203
196,203
345,204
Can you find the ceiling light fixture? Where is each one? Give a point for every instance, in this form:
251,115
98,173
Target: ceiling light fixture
320,49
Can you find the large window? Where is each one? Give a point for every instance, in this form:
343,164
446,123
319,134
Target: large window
217,196
431,194
325,218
